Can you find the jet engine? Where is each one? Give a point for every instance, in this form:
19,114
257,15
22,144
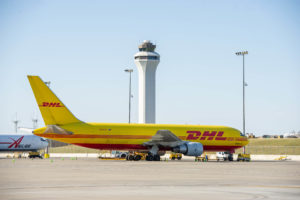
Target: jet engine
189,149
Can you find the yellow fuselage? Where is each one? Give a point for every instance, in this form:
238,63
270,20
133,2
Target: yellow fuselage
115,136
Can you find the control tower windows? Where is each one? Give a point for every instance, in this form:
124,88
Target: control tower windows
147,57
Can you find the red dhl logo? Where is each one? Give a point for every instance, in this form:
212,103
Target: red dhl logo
197,135
51,104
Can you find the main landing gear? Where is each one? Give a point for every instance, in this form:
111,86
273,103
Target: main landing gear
136,156
152,155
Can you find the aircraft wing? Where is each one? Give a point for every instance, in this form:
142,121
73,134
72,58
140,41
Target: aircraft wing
164,138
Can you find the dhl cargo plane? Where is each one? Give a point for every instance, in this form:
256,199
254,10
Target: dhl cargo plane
191,140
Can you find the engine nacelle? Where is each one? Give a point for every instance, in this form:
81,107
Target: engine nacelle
189,149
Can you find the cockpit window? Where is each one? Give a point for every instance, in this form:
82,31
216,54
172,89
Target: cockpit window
241,134
43,139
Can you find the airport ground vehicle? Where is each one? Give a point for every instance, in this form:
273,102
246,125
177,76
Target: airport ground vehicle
243,157
34,154
202,158
224,156
174,156
190,140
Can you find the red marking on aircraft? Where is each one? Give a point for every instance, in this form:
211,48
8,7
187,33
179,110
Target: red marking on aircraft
212,134
220,133
16,142
51,104
193,135
219,136
137,146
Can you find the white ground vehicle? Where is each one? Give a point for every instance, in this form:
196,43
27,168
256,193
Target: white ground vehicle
224,156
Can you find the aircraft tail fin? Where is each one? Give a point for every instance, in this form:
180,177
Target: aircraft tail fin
53,111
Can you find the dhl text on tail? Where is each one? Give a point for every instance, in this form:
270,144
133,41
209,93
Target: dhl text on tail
191,140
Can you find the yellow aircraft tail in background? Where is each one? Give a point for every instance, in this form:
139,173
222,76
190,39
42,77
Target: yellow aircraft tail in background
54,112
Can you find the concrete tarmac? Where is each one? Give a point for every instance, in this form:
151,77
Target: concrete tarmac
102,179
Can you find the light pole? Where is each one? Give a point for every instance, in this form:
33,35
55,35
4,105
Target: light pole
129,71
49,141
16,121
243,53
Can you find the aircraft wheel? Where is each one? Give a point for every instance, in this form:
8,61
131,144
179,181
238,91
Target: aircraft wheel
137,157
123,155
130,157
149,158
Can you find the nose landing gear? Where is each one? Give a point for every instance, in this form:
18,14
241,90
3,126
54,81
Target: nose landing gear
152,155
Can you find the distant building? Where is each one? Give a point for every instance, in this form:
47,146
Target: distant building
292,134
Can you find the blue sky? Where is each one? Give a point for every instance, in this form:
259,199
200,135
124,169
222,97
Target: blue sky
83,47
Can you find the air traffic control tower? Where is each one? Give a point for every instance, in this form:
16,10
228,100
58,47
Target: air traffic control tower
146,61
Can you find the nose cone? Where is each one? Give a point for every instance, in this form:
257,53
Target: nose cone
244,140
